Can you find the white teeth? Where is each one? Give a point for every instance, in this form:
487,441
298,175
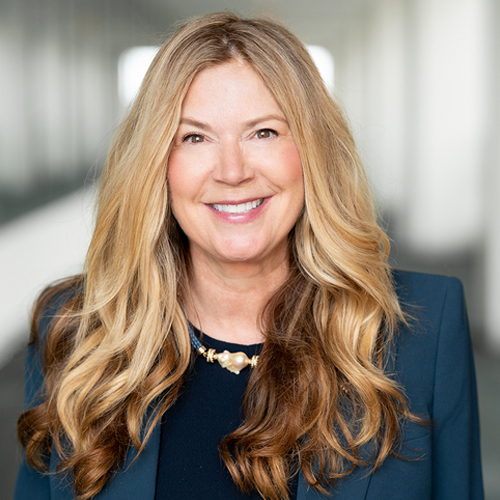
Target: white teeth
242,208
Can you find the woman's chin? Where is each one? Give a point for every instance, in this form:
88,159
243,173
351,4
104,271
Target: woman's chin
240,255
246,253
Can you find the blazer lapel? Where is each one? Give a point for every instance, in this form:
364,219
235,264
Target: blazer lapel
136,479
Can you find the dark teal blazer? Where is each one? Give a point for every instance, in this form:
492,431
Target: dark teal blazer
432,360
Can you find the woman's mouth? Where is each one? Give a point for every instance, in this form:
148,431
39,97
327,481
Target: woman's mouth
240,208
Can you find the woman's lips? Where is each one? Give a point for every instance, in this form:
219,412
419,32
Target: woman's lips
242,212
238,208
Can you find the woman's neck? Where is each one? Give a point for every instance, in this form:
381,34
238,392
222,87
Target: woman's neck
226,300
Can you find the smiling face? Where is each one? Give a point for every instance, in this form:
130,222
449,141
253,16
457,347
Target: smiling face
234,172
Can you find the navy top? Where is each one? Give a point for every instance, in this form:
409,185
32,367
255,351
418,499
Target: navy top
209,408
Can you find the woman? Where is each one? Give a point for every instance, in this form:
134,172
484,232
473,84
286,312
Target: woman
234,221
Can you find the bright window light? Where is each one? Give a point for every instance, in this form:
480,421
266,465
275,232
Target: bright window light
132,67
323,59
134,62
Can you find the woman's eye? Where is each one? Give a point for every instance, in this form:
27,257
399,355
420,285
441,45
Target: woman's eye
265,133
193,138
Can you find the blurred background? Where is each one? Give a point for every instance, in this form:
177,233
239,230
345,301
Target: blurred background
420,82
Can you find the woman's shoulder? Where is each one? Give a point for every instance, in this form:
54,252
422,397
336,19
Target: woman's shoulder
427,299
50,304
414,288
436,338
434,305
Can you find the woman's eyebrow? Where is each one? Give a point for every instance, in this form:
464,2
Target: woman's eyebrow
248,124
195,123
256,121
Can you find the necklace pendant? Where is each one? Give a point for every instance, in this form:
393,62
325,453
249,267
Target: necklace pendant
233,361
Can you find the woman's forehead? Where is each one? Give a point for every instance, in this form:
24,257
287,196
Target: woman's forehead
225,89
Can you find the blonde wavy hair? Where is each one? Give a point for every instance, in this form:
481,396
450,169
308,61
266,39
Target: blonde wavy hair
120,347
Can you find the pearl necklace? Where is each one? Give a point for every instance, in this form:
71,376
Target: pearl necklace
232,361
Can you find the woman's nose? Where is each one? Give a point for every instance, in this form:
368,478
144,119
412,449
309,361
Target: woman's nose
231,167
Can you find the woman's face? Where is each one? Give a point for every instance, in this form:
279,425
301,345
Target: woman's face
234,173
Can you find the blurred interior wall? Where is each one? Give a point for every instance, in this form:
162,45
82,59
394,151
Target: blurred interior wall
420,81
420,101
491,183
58,90
445,186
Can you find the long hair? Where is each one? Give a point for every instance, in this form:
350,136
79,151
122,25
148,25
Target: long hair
120,346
